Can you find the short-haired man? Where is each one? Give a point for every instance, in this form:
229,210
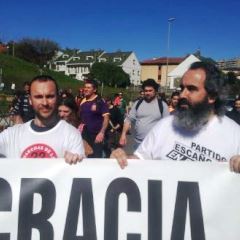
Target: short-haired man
22,110
145,113
46,136
198,131
173,102
234,114
94,115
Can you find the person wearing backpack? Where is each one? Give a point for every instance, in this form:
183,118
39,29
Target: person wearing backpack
145,113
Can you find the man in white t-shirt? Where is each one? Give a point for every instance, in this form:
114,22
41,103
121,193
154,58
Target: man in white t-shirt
198,131
46,136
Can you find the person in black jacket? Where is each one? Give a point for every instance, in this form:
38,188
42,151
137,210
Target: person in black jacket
114,128
21,110
234,114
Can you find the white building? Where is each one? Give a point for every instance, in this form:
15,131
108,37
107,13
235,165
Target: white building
176,74
127,61
78,64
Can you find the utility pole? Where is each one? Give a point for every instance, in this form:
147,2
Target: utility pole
170,20
13,49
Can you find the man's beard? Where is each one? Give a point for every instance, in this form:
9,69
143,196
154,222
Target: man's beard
194,117
50,120
149,99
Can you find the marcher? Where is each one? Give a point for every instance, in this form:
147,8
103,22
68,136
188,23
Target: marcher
173,101
94,116
234,114
68,111
116,100
46,136
79,97
145,113
198,131
113,131
21,110
122,104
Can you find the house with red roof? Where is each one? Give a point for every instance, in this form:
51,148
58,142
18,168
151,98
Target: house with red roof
159,68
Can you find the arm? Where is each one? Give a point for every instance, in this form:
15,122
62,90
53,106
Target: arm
74,147
122,157
131,117
235,164
100,135
165,109
72,158
126,128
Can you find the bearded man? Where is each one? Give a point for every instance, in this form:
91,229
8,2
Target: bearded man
145,113
198,131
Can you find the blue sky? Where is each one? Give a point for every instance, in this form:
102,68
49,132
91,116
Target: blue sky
128,25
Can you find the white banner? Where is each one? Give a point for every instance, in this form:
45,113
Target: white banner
154,200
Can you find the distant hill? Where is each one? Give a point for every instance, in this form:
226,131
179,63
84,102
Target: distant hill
16,70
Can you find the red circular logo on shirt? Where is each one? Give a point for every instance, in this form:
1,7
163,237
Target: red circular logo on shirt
39,150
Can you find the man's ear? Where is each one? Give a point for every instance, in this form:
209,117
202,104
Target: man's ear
30,101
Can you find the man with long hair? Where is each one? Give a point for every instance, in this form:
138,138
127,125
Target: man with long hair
199,130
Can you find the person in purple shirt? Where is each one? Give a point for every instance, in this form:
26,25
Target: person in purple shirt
94,115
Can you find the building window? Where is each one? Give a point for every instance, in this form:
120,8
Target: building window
117,59
89,57
102,59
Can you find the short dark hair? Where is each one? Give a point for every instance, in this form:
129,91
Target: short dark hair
175,93
92,82
150,83
109,99
44,78
214,84
26,83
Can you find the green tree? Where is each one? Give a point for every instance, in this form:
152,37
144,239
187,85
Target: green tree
38,51
110,75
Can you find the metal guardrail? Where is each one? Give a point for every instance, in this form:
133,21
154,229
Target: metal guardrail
5,120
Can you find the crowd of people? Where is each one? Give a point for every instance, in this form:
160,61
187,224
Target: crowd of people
53,123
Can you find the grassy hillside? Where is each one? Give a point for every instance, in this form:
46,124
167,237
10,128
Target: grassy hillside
17,71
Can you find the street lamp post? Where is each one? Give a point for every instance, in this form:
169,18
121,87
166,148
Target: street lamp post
170,20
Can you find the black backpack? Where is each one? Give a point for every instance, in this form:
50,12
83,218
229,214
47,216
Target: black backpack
160,105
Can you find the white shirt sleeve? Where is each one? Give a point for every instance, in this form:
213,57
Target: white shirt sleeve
75,142
3,142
